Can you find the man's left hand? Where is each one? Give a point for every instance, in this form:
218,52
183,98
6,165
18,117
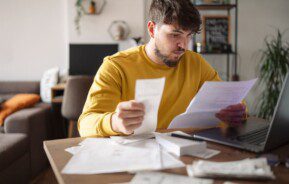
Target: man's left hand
233,114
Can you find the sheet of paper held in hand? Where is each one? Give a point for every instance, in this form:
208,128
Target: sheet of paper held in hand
211,98
149,92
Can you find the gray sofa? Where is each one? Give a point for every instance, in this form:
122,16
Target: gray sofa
22,156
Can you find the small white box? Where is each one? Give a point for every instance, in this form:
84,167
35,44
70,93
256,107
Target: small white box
179,146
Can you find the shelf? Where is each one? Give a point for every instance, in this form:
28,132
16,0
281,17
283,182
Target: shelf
215,6
218,53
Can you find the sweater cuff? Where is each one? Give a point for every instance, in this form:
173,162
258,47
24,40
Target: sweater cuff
107,127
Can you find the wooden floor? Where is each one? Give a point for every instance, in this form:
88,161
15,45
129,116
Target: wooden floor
46,177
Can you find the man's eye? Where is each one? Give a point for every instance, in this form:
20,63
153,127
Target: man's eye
175,35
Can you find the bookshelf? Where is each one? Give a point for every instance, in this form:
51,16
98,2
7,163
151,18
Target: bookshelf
232,53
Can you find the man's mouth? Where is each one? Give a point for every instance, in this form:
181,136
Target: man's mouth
178,52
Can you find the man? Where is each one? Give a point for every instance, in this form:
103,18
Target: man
110,108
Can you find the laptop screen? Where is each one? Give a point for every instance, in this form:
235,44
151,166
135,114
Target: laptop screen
280,122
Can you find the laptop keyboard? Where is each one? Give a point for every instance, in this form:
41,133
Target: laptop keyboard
256,137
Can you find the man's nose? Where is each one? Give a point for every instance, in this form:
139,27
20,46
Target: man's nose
183,43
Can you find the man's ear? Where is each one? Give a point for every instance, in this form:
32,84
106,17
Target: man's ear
151,28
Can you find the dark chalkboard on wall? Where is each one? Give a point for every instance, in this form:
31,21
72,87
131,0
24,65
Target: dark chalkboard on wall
216,31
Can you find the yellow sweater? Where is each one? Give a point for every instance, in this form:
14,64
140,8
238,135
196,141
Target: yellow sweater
115,82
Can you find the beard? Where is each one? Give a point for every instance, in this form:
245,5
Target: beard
169,62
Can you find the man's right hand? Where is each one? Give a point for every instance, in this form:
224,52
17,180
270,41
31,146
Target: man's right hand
128,117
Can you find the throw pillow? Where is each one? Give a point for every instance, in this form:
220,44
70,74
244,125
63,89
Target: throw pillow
17,103
48,80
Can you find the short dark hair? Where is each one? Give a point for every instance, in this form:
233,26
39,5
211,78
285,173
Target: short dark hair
181,12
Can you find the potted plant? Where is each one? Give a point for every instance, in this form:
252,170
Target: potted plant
79,13
273,67
87,7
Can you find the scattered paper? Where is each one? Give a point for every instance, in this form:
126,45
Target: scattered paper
248,168
208,153
212,97
180,146
149,92
73,150
131,138
165,178
102,156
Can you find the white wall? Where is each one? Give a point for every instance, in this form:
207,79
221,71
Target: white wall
34,35
32,38
94,28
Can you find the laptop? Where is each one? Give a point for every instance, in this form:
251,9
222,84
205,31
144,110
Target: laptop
256,135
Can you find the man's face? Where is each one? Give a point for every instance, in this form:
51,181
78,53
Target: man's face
170,43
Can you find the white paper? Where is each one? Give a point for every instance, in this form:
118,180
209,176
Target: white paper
103,156
131,138
179,146
149,92
73,150
212,97
165,178
195,120
208,153
248,168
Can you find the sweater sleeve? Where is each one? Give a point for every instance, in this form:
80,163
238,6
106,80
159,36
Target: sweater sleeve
102,99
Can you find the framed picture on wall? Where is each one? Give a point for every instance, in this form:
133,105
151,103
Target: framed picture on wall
216,33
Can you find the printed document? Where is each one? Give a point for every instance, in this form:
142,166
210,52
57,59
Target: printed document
211,98
149,92
101,155
248,168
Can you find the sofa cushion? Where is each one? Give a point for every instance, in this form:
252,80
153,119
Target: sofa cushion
6,96
12,147
1,129
16,103
14,87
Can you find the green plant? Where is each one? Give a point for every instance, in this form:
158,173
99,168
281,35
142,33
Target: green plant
273,68
79,13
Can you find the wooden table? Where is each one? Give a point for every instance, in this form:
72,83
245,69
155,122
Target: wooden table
58,158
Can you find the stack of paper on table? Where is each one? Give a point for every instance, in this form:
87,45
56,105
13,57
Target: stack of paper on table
180,146
248,168
100,155
165,178
212,97
131,138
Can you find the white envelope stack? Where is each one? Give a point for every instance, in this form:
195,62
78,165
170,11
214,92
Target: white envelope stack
179,146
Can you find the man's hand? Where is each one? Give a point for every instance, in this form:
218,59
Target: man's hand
233,114
128,117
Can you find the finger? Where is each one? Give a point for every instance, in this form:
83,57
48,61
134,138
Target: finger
130,129
230,118
133,127
232,113
131,105
132,121
236,107
130,114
